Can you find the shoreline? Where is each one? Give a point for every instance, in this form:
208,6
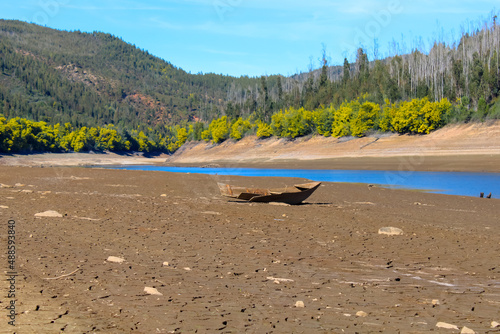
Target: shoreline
457,148
421,163
481,163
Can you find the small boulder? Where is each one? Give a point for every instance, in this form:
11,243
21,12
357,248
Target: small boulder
115,259
390,231
495,324
361,314
49,214
299,304
446,325
152,291
466,330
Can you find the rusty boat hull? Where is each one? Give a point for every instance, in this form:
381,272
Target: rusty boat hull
290,195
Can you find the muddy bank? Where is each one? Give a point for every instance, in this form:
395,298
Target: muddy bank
225,266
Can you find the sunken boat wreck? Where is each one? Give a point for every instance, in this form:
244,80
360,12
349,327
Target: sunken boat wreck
290,195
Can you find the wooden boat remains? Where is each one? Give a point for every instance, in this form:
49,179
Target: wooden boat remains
290,195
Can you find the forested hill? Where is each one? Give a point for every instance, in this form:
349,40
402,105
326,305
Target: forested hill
96,79
70,81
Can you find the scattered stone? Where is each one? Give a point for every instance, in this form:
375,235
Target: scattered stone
300,304
115,259
495,324
446,325
87,218
280,279
163,195
49,213
5,186
27,191
347,315
152,291
187,269
390,231
435,302
467,330
279,204
4,207
211,213
19,185
361,314
165,264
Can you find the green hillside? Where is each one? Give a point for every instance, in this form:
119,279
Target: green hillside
63,90
96,79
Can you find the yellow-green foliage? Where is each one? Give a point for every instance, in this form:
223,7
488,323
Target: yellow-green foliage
364,119
219,130
206,135
264,130
341,125
417,115
19,134
22,135
323,120
239,128
292,123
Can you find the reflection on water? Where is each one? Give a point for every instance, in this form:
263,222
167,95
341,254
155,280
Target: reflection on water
451,183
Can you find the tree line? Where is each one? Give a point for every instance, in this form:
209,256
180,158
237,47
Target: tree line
357,118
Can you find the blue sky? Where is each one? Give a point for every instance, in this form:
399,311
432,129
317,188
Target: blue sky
258,37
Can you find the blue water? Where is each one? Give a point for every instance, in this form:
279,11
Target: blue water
451,183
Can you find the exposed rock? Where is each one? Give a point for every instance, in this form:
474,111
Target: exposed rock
49,213
300,304
279,279
27,191
446,325
495,324
115,259
5,186
390,231
361,314
152,291
467,330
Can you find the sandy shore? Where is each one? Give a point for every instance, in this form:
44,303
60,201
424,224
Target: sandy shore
467,147
238,267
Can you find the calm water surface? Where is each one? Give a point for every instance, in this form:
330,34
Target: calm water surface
451,183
